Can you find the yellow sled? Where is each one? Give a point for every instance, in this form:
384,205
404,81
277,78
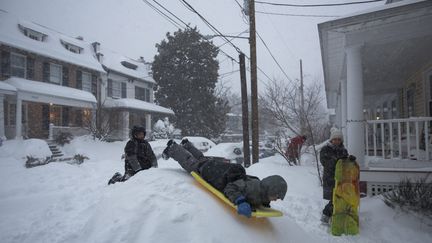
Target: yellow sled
259,213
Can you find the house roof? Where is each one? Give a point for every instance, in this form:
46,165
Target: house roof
7,88
12,35
125,65
51,93
136,104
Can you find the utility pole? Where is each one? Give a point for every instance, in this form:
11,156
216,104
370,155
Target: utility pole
302,115
245,110
254,83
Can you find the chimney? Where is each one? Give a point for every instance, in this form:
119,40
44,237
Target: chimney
96,47
99,56
141,59
80,38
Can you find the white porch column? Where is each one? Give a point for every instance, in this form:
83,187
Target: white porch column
148,124
344,110
125,125
2,126
18,120
354,86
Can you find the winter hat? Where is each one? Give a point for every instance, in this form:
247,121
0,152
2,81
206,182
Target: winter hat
336,133
275,186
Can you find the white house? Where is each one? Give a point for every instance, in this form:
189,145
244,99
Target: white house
47,79
378,78
127,92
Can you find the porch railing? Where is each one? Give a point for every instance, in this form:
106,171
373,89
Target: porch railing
408,138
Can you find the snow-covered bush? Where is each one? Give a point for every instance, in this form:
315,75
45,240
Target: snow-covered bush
163,129
415,196
63,138
79,159
33,162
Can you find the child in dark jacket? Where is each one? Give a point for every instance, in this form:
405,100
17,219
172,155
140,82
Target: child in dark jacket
138,155
247,192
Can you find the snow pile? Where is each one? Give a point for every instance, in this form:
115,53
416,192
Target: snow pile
71,203
20,149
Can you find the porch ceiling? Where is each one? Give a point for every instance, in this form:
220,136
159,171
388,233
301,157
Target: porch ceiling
387,66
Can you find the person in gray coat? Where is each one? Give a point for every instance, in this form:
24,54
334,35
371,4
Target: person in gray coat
329,155
245,191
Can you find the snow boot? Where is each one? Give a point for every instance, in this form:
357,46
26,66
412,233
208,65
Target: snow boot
325,219
165,153
115,178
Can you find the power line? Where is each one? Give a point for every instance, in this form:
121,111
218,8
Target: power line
187,25
297,15
274,59
316,5
168,18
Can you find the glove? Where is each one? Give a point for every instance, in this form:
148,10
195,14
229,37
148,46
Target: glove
352,158
243,207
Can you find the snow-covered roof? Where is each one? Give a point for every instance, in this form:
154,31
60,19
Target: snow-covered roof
382,7
136,104
116,62
11,34
7,88
51,90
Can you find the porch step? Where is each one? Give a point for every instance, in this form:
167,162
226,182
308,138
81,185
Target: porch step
56,152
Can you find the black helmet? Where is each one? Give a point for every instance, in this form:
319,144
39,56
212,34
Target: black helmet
274,186
138,129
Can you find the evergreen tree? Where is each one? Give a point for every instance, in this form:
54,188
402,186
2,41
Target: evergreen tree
186,71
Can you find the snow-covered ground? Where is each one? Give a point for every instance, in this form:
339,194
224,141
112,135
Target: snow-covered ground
60,202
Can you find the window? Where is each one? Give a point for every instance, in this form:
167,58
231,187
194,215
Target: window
55,74
410,100
18,65
393,109
32,34
71,47
114,89
142,94
86,81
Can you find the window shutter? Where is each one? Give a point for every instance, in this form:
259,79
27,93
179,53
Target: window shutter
123,90
5,63
94,85
65,76
78,79
65,116
46,71
110,84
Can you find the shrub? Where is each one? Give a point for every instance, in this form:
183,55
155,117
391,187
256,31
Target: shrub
415,196
79,159
33,162
63,138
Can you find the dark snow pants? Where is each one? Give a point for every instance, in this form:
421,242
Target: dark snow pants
328,209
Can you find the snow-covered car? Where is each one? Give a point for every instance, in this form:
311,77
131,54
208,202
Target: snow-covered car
228,152
201,143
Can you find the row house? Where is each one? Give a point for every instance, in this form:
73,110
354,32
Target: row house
127,93
51,82
46,78
378,78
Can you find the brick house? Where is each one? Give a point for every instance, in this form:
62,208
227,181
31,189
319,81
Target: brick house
45,78
127,93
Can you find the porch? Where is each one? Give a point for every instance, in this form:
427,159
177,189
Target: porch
35,105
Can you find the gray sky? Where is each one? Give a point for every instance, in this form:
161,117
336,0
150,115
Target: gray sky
131,27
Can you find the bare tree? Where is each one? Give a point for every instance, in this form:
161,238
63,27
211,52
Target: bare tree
282,101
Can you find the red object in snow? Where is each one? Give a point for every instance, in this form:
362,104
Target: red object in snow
294,146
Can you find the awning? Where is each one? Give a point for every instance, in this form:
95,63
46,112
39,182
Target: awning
50,93
7,89
136,104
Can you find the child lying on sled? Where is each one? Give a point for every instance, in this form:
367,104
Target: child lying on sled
245,191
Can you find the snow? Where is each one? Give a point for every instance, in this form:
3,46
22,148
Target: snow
11,35
47,89
19,149
136,104
60,202
7,87
226,149
112,60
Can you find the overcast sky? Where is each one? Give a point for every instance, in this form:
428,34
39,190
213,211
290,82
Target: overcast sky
131,27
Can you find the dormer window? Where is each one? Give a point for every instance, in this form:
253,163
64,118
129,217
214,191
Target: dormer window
32,34
70,47
129,65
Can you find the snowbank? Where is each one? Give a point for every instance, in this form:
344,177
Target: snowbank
59,202
19,149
